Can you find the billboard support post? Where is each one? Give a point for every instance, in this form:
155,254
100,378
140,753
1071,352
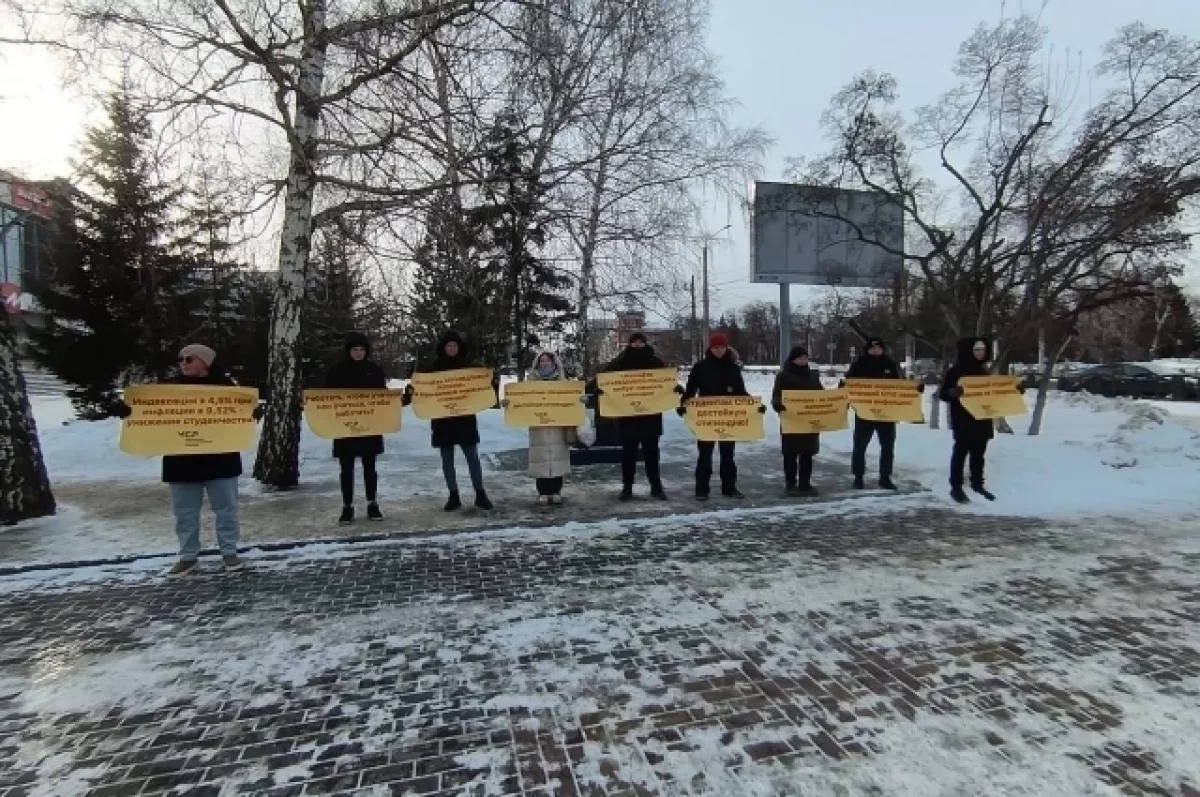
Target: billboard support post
785,321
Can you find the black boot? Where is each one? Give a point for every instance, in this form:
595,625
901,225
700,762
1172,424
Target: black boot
791,490
732,492
482,501
453,502
979,488
373,512
959,496
807,489
658,493
627,493
347,516
858,483
887,484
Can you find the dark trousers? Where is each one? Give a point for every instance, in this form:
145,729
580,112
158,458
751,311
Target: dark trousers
803,463
863,432
550,486
704,467
651,456
972,451
370,478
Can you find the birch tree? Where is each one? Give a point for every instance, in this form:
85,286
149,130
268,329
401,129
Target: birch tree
310,85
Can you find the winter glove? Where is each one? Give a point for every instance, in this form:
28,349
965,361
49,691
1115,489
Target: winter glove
920,387
777,406
1021,388
681,410
405,399
504,404
956,391
259,412
762,409
599,391
119,409
841,383
583,400
679,389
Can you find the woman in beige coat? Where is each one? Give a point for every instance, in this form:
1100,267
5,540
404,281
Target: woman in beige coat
549,446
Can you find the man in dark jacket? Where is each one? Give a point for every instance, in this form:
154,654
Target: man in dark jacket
971,436
190,476
717,374
639,431
357,371
874,364
461,430
798,449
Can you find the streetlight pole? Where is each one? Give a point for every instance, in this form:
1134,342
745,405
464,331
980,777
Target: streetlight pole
704,275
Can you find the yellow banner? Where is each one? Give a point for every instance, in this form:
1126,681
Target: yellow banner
544,403
448,394
188,419
987,397
814,411
728,419
336,413
629,393
891,400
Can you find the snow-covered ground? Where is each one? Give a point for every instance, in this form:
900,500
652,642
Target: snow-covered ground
1095,456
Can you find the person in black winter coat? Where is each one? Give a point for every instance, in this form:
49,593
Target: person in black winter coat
357,371
874,364
717,374
190,476
461,431
639,431
971,436
798,449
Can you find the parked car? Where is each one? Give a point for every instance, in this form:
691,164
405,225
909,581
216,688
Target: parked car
1121,379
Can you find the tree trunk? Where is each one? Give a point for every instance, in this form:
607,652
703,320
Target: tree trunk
935,408
24,484
278,461
1039,406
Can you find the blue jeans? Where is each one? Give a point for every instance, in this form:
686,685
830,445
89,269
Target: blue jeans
187,498
472,456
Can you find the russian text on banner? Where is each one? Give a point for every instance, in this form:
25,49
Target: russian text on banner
188,419
888,400
544,403
814,411
448,394
629,393
987,397
336,413
725,419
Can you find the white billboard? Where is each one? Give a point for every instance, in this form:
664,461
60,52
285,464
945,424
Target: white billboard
814,235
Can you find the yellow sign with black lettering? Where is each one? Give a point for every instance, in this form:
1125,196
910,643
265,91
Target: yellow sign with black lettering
449,394
544,403
887,400
814,411
168,420
338,413
630,393
987,397
725,419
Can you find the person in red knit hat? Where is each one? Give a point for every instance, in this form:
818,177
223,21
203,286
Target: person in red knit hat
717,374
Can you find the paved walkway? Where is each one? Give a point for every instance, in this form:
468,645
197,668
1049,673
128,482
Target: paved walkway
839,649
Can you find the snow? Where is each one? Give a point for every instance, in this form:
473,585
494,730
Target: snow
1095,457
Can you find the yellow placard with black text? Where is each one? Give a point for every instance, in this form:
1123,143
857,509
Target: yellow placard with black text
169,420
725,419
631,393
337,413
814,411
987,397
449,394
544,403
886,400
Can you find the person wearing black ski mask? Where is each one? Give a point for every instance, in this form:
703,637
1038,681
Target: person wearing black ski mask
971,436
639,431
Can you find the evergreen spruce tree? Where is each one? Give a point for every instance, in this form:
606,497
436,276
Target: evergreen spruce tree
119,296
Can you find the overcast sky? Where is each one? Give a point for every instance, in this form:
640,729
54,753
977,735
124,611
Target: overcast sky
781,60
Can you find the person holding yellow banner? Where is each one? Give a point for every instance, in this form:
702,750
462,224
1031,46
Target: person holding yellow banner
359,372
190,476
460,431
971,435
549,446
874,364
798,449
717,374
